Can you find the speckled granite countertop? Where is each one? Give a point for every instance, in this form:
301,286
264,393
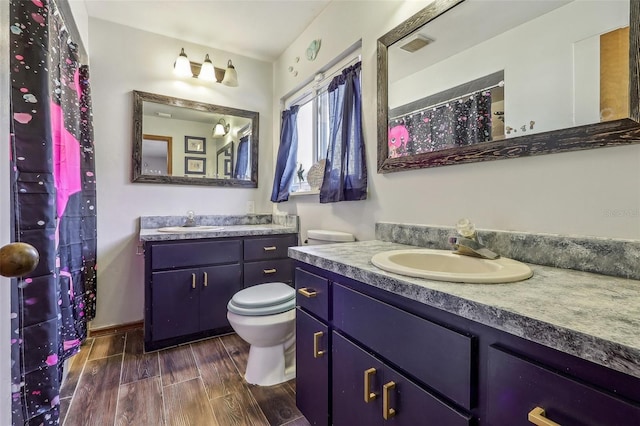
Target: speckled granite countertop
230,226
226,231
594,317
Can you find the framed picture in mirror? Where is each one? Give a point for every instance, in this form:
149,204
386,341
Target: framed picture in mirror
195,166
195,145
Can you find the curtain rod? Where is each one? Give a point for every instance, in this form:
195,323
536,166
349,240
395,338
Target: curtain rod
499,84
322,83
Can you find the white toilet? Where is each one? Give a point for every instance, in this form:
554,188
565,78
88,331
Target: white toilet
264,316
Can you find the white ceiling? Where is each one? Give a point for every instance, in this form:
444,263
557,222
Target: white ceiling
260,29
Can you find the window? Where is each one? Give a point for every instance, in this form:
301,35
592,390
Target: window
313,126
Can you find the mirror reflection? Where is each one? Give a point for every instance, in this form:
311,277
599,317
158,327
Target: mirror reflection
187,142
529,68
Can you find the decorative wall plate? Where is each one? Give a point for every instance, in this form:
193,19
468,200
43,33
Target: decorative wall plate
312,50
315,176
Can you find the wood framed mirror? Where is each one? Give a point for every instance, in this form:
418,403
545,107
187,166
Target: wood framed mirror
453,60
162,123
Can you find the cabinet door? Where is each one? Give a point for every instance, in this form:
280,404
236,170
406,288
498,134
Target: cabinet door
413,405
312,368
174,303
349,366
218,284
518,386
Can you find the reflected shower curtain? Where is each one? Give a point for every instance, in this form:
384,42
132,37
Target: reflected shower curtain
54,206
457,123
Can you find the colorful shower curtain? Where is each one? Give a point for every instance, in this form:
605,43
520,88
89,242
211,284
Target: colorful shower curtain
54,206
456,123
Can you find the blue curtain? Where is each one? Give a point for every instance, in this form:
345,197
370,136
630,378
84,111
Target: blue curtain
287,154
242,158
345,173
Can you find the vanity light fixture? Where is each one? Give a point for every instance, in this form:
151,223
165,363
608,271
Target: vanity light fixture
230,75
205,71
220,129
182,67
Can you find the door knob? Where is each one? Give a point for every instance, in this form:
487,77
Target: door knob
18,259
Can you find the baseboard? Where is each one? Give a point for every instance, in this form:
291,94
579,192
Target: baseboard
121,328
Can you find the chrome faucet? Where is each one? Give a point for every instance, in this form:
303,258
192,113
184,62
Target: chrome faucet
468,243
191,219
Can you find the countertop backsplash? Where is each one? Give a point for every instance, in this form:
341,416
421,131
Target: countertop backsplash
154,222
606,256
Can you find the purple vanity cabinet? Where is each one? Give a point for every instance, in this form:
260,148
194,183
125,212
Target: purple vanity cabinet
445,369
190,282
313,347
517,386
368,392
313,355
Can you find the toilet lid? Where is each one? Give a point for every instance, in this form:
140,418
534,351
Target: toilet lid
263,299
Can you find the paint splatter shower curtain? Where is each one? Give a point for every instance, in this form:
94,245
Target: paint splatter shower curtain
54,206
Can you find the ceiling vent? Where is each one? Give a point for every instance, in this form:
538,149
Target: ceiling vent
415,43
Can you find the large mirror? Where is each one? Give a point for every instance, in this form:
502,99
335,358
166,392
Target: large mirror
466,81
191,143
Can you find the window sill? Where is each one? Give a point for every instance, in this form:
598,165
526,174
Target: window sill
300,193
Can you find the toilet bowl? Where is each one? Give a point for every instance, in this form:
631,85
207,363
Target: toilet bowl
264,316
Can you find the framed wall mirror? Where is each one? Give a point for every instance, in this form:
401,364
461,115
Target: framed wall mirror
464,81
177,141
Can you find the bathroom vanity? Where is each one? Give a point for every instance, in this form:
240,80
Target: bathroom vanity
190,276
374,346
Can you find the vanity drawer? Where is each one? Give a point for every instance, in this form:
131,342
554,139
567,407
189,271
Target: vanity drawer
269,248
435,355
312,293
268,271
517,386
195,253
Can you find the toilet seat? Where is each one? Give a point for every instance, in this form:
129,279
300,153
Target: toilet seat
263,299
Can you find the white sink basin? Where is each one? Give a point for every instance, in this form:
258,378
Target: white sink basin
444,265
190,228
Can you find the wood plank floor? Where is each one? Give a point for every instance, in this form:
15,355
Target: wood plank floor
113,382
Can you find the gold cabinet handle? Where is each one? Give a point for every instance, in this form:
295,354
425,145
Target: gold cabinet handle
387,412
270,271
307,292
536,416
270,248
368,395
316,344
193,280
206,279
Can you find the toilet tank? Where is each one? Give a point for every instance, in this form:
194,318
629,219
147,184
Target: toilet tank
321,236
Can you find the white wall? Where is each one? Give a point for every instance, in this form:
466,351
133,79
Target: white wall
122,60
81,18
594,192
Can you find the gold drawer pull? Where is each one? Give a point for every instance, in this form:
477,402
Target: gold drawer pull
307,292
270,271
536,416
316,343
206,279
368,395
193,280
270,248
387,412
